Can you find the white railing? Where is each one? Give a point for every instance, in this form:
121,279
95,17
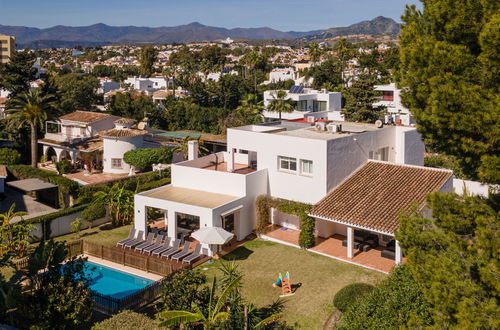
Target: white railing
60,137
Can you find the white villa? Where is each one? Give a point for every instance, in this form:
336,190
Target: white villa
391,99
301,162
307,102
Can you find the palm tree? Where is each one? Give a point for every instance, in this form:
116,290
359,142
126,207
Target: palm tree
5,218
120,203
250,110
251,59
32,108
279,103
214,316
314,52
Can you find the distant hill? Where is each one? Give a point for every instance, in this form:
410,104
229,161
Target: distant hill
379,26
102,34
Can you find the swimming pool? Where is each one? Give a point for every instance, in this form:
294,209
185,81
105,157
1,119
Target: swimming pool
114,283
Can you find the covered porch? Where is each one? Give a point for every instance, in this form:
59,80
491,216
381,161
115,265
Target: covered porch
179,212
333,246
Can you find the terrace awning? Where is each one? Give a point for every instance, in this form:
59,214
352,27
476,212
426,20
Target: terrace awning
30,185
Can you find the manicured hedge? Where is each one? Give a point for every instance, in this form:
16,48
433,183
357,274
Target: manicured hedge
153,184
307,224
86,193
9,156
349,294
66,186
143,159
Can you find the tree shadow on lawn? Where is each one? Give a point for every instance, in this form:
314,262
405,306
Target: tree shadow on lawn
241,253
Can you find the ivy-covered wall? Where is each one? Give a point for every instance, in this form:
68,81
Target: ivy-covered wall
264,204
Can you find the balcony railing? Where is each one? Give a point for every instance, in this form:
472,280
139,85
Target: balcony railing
60,137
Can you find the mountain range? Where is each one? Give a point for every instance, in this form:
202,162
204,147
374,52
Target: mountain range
102,34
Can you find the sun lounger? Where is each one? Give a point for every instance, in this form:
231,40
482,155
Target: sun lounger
148,242
131,236
160,241
185,251
171,252
193,256
137,241
176,243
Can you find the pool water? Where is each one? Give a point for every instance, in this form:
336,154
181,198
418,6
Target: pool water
112,282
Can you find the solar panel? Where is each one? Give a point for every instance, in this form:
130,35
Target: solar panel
296,89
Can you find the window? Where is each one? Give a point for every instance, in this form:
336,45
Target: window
116,163
287,163
319,106
380,154
82,131
302,105
306,167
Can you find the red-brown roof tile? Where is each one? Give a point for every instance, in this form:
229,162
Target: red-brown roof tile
84,116
375,194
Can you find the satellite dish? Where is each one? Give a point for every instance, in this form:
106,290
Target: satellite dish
379,123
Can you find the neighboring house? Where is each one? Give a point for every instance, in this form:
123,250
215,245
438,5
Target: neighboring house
281,74
3,101
289,160
3,176
307,102
107,85
147,85
76,136
396,112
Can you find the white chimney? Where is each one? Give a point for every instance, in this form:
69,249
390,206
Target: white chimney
192,149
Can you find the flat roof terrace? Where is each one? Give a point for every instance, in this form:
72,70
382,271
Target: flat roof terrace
222,167
190,196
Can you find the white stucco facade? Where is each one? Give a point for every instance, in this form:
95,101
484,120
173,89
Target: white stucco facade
391,99
114,149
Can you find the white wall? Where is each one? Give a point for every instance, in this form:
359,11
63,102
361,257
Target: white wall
471,187
409,146
116,148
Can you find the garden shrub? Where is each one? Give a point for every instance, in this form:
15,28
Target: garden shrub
127,320
152,185
64,167
349,294
9,156
263,206
143,159
445,161
395,303
95,210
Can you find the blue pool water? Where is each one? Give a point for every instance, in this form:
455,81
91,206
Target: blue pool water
112,282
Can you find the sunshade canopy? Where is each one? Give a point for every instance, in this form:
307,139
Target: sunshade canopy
212,235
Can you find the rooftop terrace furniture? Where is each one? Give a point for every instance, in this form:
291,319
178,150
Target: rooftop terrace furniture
161,241
170,253
175,245
195,255
131,236
148,242
184,253
134,242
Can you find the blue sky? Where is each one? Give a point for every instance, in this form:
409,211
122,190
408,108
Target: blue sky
298,15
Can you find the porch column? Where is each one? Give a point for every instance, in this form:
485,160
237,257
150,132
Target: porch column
45,150
73,156
399,255
172,224
230,161
350,242
140,217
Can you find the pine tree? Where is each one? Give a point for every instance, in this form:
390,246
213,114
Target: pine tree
450,66
359,100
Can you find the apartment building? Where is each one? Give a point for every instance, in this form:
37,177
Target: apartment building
391,99
7,47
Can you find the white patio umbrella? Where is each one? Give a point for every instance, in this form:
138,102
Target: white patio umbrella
212,235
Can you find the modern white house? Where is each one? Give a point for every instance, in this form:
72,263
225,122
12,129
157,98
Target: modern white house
303,162
282,74
147,85
307,102
107,85
391,99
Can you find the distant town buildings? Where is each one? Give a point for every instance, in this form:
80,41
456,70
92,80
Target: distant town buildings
7,47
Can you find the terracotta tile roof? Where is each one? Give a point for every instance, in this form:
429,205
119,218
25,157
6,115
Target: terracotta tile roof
84,116
124,121
125,132
374,195
3,171
88,145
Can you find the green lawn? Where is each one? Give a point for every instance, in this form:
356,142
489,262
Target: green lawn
103,235
318,279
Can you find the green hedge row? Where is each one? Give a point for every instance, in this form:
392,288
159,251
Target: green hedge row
66,186
307,224
86,193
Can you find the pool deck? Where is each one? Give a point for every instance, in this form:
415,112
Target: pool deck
122,268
